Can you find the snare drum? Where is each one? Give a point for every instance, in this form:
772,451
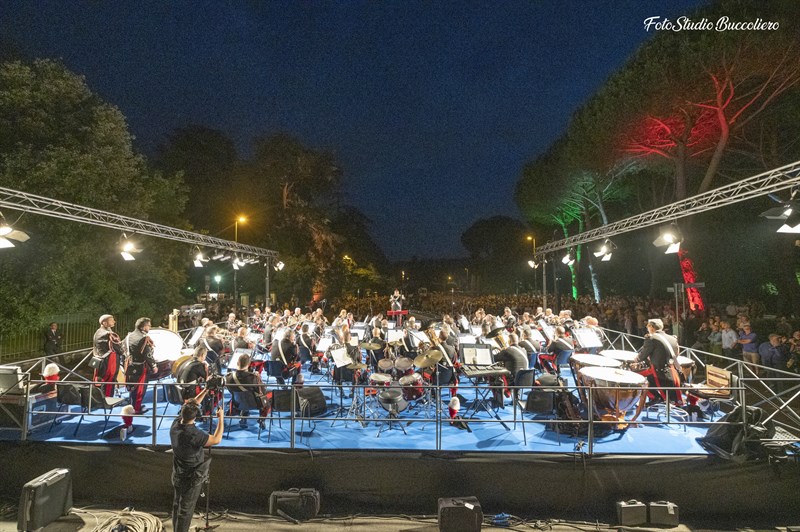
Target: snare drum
380,379
403,366
623,390
412,386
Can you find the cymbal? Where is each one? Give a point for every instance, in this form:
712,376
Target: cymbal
356,365
369,346
495,332
429,359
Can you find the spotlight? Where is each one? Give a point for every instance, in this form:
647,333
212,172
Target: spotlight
279,266
670,237
235,265
199,258
532,264
569,258
128,248
218,255
605,250
8,233
792,223
225,257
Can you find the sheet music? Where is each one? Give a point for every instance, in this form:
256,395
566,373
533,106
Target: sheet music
548,330
476,354
394,335
324,344
340,357
196,334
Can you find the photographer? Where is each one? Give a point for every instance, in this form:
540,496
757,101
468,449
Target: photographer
189,466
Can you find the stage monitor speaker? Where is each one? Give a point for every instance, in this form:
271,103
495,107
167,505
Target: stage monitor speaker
460,514
631,513
312,401
663,513
45,499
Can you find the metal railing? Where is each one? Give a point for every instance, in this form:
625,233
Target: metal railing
776,394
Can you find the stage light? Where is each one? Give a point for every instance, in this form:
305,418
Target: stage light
532,264
218,256
225,257
605,250
199,258
236,266
792,223
8,233
279,266
569,258
128,248
670,237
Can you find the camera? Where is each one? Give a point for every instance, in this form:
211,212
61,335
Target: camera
215,382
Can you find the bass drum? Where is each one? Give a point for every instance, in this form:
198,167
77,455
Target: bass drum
615,391
167,349
179,365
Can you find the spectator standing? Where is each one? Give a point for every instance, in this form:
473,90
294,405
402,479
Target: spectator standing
749,342
52,340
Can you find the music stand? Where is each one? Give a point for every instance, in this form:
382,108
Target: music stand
341,359
548,330
194,337
587,338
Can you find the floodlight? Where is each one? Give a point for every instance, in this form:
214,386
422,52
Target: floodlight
792,223
128,248
569,258
532,264
279,266
9,233
605,250
218,255
235,265
671,237
5,243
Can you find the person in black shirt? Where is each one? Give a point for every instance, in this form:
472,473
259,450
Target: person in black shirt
514,358
285,351
139,347
661,351
561,343
241,341
189,465
305,345
52,340
215,349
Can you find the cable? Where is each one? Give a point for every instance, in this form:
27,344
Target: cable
128,520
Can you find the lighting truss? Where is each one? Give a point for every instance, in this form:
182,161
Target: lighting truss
762,184
31,203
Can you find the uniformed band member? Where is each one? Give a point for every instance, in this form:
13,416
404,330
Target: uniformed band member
139,347
661,351
107,348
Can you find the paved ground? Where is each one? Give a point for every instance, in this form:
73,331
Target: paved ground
85,522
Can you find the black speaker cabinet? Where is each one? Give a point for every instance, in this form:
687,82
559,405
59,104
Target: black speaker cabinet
45,499
460,514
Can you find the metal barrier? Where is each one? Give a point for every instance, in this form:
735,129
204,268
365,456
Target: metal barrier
363,410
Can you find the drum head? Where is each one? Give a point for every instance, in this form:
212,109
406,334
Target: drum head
167,345
408,380
612,377
685,361
380,378
619,354
403,364
595,360
385,365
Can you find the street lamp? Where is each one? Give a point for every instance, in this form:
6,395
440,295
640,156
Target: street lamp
217,278
239,219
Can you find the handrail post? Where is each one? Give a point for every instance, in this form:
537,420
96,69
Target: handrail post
26,407
742,397
155,413
590,415
292,419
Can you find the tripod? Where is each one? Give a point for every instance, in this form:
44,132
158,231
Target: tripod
207,494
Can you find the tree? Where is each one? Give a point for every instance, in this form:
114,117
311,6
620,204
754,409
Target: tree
58,139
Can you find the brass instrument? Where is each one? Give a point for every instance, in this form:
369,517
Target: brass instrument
499,338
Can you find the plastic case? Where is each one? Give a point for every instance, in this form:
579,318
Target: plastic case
631,513
45,499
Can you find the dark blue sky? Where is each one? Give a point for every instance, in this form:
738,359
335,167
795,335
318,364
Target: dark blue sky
432,107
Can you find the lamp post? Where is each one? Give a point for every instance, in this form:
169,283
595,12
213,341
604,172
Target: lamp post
543,262
239,219
217,278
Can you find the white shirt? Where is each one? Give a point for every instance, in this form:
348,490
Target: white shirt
729,338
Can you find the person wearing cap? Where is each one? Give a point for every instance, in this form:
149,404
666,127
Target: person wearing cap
139,347
661,351
108,350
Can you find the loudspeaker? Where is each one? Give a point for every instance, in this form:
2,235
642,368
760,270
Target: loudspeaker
45,499
298,503
460,514
312,401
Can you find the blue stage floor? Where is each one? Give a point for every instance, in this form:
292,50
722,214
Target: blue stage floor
416,429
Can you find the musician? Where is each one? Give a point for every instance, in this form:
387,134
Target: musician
445,368
376,321
509,320
513,357
108,349
305,345
215,348
139,348
661,351
557,347
244,381
341,319
530,345
272,324
396,301
257,320
550,318
411,323
407,347
285,351
241,341
375,355
194,374
52,340
232,324
477,319
539,314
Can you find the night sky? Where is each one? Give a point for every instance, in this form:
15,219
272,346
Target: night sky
431,107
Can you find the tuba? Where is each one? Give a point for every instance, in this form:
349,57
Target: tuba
498,337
